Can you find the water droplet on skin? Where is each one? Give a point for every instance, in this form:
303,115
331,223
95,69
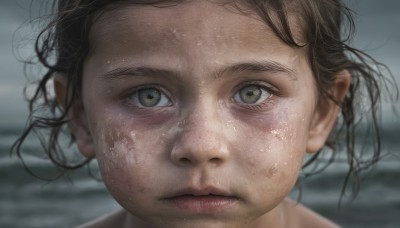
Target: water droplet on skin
181,123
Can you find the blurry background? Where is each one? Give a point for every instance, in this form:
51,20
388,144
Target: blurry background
28,202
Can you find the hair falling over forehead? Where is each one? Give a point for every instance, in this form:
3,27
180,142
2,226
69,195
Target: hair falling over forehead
326,27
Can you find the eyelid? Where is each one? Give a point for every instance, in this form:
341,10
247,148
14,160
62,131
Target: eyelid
270,88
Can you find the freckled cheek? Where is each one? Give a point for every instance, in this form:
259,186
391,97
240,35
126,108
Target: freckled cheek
275,151
272,157
118,165
127,160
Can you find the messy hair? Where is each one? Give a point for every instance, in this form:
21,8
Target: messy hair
327,27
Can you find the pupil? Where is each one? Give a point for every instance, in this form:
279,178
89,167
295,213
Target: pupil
149,97
250,93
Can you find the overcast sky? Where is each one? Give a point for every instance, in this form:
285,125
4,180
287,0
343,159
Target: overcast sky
378,33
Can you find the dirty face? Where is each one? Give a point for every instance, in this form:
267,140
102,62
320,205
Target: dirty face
199,114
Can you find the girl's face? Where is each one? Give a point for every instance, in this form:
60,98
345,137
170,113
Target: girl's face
199,115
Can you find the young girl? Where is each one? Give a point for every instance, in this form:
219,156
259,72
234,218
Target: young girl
200,112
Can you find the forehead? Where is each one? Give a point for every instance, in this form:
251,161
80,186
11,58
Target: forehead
188,21
201,37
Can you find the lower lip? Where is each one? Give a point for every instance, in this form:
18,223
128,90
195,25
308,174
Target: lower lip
202,204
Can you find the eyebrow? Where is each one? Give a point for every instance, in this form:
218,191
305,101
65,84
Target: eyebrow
127,72
254,66
258,66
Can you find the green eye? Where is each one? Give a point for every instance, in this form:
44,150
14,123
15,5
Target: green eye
251,94
150,97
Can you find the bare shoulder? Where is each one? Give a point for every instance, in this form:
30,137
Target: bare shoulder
115,219
301,216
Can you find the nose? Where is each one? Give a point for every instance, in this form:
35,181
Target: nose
202,141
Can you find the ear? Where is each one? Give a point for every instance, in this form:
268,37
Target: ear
326,114
78,123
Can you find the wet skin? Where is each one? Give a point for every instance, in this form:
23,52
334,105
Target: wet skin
198,115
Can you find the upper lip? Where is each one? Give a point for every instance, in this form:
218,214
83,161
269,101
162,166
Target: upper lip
205,191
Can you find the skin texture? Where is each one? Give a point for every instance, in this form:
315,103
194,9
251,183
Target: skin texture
203,139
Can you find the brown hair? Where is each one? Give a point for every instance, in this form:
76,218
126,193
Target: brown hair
327,27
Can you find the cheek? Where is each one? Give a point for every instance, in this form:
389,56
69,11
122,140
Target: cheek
275,150
126,158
